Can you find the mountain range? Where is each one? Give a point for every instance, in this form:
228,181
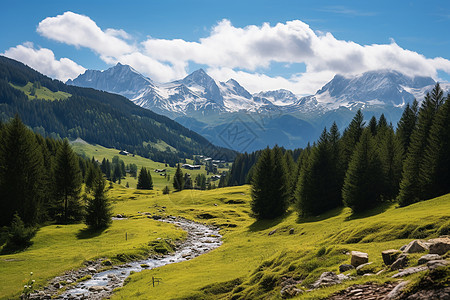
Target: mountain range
55,109
214,109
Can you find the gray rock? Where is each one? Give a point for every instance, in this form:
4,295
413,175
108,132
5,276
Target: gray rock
96,288
272,232
410,271
395,293
92,270
359,258
400,263
416,246
389,256
402,248
440,245
436,263
345,267
426,258
291,231
290,291
364,269
329,278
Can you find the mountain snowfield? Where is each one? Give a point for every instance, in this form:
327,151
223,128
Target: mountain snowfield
207,106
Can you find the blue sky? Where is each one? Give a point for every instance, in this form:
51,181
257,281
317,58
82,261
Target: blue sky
303,44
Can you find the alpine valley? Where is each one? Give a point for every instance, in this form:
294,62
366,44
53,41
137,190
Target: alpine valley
228,115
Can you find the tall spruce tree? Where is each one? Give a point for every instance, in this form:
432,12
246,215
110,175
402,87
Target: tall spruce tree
98,208
21,173
314,193
406,125
351,137
337,181
178,180
436,163
412,184
391,156
373,126
362,186
67,183
268,191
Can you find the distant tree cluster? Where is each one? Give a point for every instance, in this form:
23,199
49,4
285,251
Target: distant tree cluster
40,179
364,167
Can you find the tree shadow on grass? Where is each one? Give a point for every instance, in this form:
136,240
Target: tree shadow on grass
329,214
260,225
87,233
379,209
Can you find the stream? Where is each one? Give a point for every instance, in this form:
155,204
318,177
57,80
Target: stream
200,239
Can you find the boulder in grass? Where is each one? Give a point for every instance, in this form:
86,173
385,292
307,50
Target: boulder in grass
389,256
345,267
359,258
439,246
416,246
400,263
367,268
428,257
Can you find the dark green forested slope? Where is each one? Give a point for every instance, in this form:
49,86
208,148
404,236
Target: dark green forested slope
97,117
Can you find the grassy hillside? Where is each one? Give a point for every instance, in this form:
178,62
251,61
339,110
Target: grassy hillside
258,261
41,92
159,182
249,264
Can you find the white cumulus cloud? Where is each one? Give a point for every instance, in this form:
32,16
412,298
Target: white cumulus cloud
244,53
45,62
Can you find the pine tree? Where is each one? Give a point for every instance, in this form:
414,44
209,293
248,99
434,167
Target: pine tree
316,188
406,126
145,181
373,126
391,157
67,183
291,168
19,236
178,182
337,180
436,162
362,186
187,181
21,173
382,123
351,137
98,208
413,182
268,191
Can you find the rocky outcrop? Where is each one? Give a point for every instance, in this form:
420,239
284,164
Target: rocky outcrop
400,263
329,278
416,246
359,258
389,256
439,246
428,257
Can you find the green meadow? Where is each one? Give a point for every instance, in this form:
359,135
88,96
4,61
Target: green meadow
41,92
159,182
249,264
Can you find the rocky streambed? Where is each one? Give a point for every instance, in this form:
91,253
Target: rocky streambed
200,239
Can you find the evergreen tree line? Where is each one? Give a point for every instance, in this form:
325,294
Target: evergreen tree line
363,167
184,181
116,170
41,180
